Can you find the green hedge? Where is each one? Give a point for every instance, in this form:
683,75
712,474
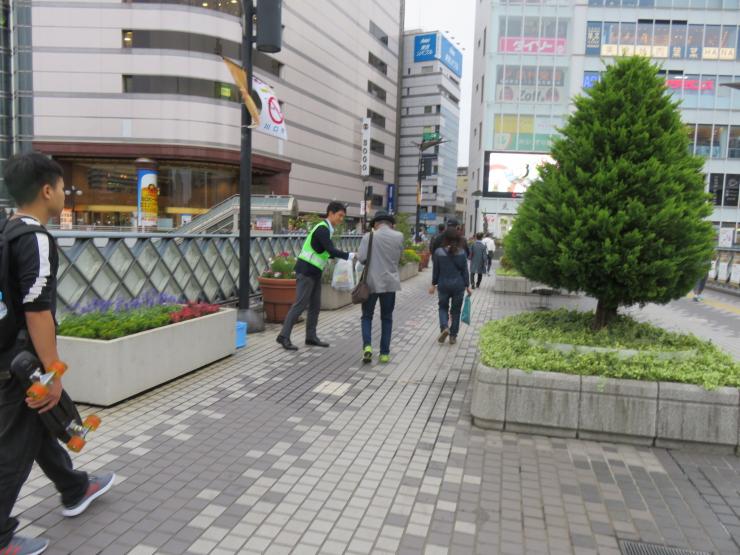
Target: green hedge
506,344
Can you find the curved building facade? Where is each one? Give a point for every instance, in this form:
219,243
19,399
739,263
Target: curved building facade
111,87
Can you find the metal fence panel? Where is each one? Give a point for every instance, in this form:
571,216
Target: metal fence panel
111,266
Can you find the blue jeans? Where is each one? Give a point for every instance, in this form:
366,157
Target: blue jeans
449,297
387,304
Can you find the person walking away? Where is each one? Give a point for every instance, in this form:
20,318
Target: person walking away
699,287
313,258
436,241
451,279
491,247
478,260
383,279
29,287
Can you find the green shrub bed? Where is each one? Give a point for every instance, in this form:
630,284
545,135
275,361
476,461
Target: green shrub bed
506,343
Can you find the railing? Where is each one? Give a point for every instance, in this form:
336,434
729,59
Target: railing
110,266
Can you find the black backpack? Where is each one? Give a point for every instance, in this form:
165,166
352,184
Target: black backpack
9,232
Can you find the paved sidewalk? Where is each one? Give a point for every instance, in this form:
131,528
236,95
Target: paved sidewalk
273,452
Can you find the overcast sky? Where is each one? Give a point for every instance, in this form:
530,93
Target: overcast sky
457,21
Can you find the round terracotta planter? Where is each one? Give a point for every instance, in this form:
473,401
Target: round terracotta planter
425,256
277,297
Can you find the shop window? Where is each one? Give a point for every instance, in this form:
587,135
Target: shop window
716,186
627,39
732,191
728,43
232,8
719,141
724,93
707,91
661,39
703,140
188,86
691,132
711,42
692,85
733,150
679,31
644,39
694,42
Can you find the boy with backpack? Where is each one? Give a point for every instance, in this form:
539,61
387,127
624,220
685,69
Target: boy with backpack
28,268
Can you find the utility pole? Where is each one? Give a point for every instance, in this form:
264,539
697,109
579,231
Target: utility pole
428,140
269,39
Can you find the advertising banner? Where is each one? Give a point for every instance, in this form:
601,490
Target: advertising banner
510,174
148,198
530,45
425,47
726,239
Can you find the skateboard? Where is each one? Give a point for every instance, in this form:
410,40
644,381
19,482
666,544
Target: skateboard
63,421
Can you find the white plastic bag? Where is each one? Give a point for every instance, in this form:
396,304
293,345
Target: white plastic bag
343,278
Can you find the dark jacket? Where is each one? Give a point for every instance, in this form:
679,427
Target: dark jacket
450,270
321,242
479,258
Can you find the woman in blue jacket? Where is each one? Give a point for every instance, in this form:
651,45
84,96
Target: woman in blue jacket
451,279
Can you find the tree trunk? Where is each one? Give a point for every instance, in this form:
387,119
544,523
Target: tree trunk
604,315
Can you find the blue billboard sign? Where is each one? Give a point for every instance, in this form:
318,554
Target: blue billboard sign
425,47
451,57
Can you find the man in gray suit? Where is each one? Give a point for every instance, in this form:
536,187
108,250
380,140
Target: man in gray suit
383,279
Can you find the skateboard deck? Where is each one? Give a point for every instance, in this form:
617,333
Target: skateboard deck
63,421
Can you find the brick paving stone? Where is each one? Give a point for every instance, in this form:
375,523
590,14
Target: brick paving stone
314,452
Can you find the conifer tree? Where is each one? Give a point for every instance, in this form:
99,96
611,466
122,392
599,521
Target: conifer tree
621,213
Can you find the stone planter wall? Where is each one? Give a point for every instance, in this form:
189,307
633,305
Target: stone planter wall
106,372
662,414
331,299
514,285
409,270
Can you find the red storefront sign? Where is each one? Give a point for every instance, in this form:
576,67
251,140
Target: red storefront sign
690,84
525,45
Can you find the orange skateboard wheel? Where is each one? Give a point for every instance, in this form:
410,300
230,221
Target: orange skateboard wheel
37,391
76,444
92,422
58,368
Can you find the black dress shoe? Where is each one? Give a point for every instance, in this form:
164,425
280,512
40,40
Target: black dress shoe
316,343
285,342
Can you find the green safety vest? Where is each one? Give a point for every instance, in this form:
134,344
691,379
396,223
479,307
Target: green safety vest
308,254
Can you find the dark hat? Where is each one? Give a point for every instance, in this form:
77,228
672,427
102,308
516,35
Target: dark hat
383,216
452,222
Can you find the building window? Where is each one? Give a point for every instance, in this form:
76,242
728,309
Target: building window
533,35
734,142
428,109
194,42
482,88
378,33
232,8
377,63
427,69
377,147
480,135
377,173
376,118
376,91
188,86
485,38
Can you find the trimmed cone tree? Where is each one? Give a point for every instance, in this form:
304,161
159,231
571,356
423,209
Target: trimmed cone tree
621,213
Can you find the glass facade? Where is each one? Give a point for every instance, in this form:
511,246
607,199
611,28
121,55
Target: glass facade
231,7
543,56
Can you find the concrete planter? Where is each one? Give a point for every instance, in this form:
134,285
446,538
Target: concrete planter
106,372
331,299
663,414
691,414
409,270
514,285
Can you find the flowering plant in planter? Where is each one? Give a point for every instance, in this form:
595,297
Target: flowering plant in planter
282,266
118,318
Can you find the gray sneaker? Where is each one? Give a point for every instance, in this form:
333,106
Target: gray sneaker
25,546
97,486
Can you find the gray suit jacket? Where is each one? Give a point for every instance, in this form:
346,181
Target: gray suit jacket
383,276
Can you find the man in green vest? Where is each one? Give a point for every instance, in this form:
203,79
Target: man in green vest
315,254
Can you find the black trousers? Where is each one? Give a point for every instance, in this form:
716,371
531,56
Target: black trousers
477,280
307,295
23,440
